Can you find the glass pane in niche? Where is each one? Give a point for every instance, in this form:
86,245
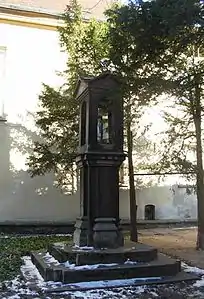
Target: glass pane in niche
103,125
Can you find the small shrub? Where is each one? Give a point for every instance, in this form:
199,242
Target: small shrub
13,248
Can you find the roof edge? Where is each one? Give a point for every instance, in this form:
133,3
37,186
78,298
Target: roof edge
41,11
13,7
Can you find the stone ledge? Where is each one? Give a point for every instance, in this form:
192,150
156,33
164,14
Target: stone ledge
135,252
67,227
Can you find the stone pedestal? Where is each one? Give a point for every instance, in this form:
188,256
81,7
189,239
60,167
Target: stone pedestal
106,234
81,232
133,260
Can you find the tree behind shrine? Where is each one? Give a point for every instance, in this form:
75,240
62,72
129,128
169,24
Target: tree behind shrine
87,44
58,115
166,39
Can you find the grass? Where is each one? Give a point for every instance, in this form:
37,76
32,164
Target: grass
13,248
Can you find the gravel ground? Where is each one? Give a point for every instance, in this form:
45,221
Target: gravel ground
176,242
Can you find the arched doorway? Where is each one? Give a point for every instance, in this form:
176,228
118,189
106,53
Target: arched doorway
149,212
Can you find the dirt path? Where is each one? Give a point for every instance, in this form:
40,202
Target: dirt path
179,243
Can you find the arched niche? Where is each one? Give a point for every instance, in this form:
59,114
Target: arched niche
149,212
83,123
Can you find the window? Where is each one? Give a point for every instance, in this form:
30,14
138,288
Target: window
150,212
83,123
104,125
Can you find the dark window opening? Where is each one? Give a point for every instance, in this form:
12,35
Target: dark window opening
150,212
83,123
104,125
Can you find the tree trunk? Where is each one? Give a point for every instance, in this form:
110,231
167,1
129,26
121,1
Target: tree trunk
121,175
199,186
199,173
132,194
77,179
72,178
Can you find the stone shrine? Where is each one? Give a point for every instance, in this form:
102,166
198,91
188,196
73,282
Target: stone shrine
98,251
100,156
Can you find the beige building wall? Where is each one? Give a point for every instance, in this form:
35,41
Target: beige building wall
28,57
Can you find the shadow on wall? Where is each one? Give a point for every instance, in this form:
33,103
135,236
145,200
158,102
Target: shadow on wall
37,199
23,197
185,200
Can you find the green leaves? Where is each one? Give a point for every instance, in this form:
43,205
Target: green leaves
57,119
154,48
13,248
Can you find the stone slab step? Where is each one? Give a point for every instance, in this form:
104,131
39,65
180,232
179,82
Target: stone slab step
82,256
178,278
51,271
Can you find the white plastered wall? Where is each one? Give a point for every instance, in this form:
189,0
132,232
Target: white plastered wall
33,56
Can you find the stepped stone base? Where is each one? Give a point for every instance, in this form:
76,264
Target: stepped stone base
88,256
134,260
160,267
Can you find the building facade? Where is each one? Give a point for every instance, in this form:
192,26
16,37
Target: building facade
30,55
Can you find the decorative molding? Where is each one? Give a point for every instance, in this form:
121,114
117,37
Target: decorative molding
30,24
34,18
27,11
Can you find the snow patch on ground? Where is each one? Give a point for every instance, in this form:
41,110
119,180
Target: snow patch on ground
121,293
199,283
12,297
195,270
19,287
29,270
